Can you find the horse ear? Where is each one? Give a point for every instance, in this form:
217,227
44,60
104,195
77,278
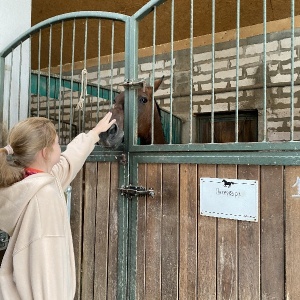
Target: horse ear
157,83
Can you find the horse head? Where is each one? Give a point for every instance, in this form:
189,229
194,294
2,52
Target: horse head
113,137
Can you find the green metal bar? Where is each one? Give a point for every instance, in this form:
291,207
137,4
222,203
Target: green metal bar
191,70
264,71
240,158
124,269
49,71
237,70
292,69
226,147
72,73
58,19
99,68
20,84
112,62
172,72
153,73
60,75
39,72
146,9
213,52
2,74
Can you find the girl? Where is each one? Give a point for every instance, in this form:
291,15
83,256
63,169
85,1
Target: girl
39,261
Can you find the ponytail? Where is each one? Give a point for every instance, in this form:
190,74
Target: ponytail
9,171
25,139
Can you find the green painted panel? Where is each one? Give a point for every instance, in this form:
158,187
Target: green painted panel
40,86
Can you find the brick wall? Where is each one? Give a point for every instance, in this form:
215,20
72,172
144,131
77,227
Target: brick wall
250,81
251,74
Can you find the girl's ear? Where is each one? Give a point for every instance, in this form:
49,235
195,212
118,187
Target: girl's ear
44,153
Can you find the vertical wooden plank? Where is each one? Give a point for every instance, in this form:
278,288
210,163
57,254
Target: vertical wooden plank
101,238
207,232
76,226
292,232
188,232
170,232
153,234
89,230
249,247
227,248
141,243
113,233
272,232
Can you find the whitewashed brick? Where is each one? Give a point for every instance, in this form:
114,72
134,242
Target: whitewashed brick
218,85
243,82
254,49
196,87
218,65
227,53
201,98
278,136
118,80
275,125
289,65
122,71
272,46
287,89
168,63
282,113
161,92
273,66
286,43
245,61
202,56
282,78
202,78
195,109
225,96
251,71
107,73
227,74
277,101
149,66
282,56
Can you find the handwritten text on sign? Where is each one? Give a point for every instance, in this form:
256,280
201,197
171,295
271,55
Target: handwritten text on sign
229,198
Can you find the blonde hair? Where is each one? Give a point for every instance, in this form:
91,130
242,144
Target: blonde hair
26,138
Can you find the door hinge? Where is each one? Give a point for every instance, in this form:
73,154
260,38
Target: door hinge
130,191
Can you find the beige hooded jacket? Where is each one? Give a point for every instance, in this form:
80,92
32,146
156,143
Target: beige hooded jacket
39,261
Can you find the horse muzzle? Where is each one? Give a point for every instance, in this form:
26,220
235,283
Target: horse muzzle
112,138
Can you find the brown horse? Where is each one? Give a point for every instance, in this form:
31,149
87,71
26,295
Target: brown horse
113,137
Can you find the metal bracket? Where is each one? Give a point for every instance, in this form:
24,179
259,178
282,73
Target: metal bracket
130,191
134,84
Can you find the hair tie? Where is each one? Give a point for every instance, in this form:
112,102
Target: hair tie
9,150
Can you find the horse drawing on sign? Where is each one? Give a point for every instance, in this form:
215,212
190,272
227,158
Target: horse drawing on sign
113,137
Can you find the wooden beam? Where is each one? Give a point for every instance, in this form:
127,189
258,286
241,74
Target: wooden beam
199,41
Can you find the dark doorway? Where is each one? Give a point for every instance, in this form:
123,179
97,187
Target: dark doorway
224,127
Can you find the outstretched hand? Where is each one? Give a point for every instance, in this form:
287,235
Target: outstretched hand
104,124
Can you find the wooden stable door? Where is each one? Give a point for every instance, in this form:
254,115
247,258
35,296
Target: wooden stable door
182,255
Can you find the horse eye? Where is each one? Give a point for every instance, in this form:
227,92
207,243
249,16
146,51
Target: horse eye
143,100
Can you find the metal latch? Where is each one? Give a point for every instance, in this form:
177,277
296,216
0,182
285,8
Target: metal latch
130,191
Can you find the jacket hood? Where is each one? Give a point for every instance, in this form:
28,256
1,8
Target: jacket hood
15,198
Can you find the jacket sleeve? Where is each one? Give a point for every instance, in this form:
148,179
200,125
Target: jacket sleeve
73,158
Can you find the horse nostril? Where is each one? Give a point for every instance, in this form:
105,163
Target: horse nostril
113,129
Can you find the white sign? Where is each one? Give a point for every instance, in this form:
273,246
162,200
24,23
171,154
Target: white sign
229,198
